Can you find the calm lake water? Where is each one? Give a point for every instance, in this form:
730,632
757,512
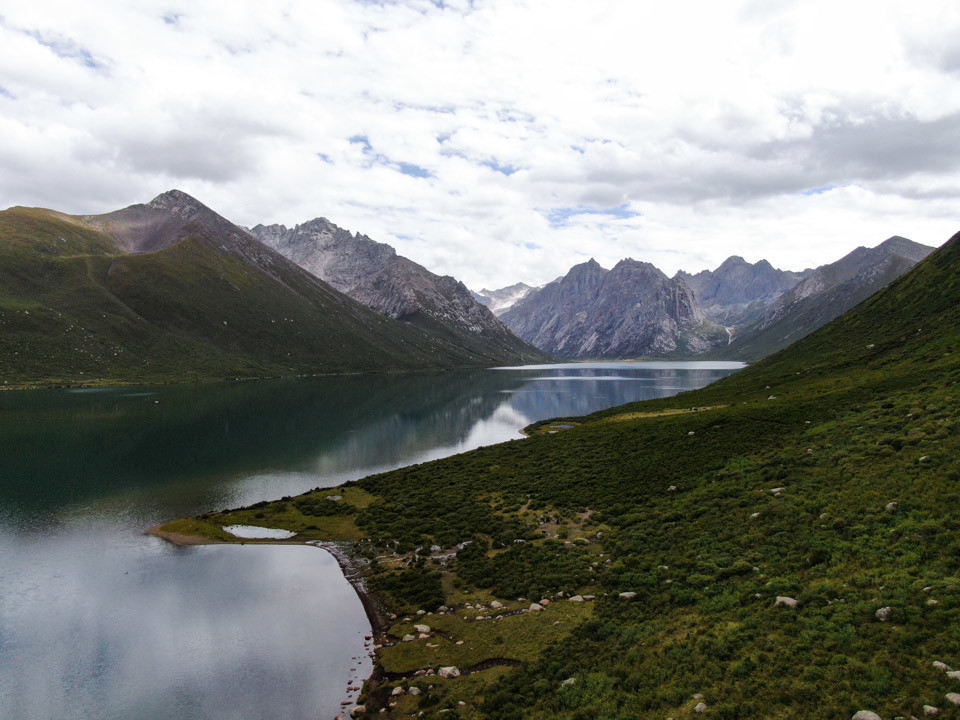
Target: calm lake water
98,620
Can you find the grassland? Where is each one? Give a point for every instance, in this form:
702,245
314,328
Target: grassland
827,474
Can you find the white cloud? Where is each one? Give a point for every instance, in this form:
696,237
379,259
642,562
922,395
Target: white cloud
501,140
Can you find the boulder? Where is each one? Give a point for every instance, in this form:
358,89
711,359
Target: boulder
576,598
942,666
409,638
884,613
568,682
421,612
892,505
398,691
413,691
953,698
422,628
930,710
449,672
627,595
953,674
588,598
754,516
866,715
357,710
536,607
496,604
786,601
700,707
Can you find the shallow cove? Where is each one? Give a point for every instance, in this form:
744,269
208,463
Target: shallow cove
99,621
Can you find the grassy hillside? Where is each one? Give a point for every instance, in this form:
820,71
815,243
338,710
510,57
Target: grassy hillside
74,308
825,474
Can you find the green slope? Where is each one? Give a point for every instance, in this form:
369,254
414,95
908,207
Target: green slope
677,505
75,308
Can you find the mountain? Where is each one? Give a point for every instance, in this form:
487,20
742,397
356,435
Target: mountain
738,291
171,291
499,301
825,294
629,311
779,544
373,273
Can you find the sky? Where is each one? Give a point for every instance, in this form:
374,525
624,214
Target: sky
501,141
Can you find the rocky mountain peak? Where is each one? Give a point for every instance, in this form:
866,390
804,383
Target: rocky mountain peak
179,203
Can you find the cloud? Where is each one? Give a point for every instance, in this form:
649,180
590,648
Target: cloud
500,141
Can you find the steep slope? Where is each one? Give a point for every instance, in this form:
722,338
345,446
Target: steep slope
779,544
823,295
375,275
171,291
738,291
499,301
629,311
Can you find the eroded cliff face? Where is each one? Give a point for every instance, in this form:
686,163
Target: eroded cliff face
373,273
629,311
738,291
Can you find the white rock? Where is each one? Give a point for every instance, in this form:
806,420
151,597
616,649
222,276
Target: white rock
536,607
933,602
414,691
672,488
421,612
568,681
941,666
627,595
588,598
422,628
449,672
786,601
777,491
408,638
930,710
398,691
866,715
884,613
754,516
953,697
496,604
892,505
953,674
700,707
576,598
691,433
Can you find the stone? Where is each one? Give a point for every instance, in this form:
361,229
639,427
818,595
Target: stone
942,666
953,674
398,691
588,598
544,602
931,602
953,698
866,715
421,612
892,505
627,595
672,488
409,638
754,516
884,613
691,433
449,672
576,598
335,498
930,710
697,696
928,588
422,628
357,710
459,642
496,604
786,601
777,490
413,691
700,707
568,682
536,607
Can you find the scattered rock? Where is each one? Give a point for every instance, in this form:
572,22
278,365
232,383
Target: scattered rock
772,397
496,604
691,433
627,595
398,691
697,696
335,498
777,490
459,642
754,516
924,458
357,710
421,612
953,698
672,488
536,607
408,638
941,666
588,598
786,601
449,672
576,598
700,707
930,710
413,691
953,674
931,602
892,505
866,715
928,588
422,628
884,613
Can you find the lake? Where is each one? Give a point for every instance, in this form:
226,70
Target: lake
98,620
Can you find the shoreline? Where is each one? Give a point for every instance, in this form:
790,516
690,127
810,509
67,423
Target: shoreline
352,571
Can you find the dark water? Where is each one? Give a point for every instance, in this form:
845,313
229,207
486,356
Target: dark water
99,621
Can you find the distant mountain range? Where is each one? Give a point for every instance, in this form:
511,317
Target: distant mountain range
171,291
629,311
373,274
739,310
499,301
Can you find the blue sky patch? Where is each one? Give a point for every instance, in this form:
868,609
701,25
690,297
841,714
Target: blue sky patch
507,170
558,217
413,170
820,190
